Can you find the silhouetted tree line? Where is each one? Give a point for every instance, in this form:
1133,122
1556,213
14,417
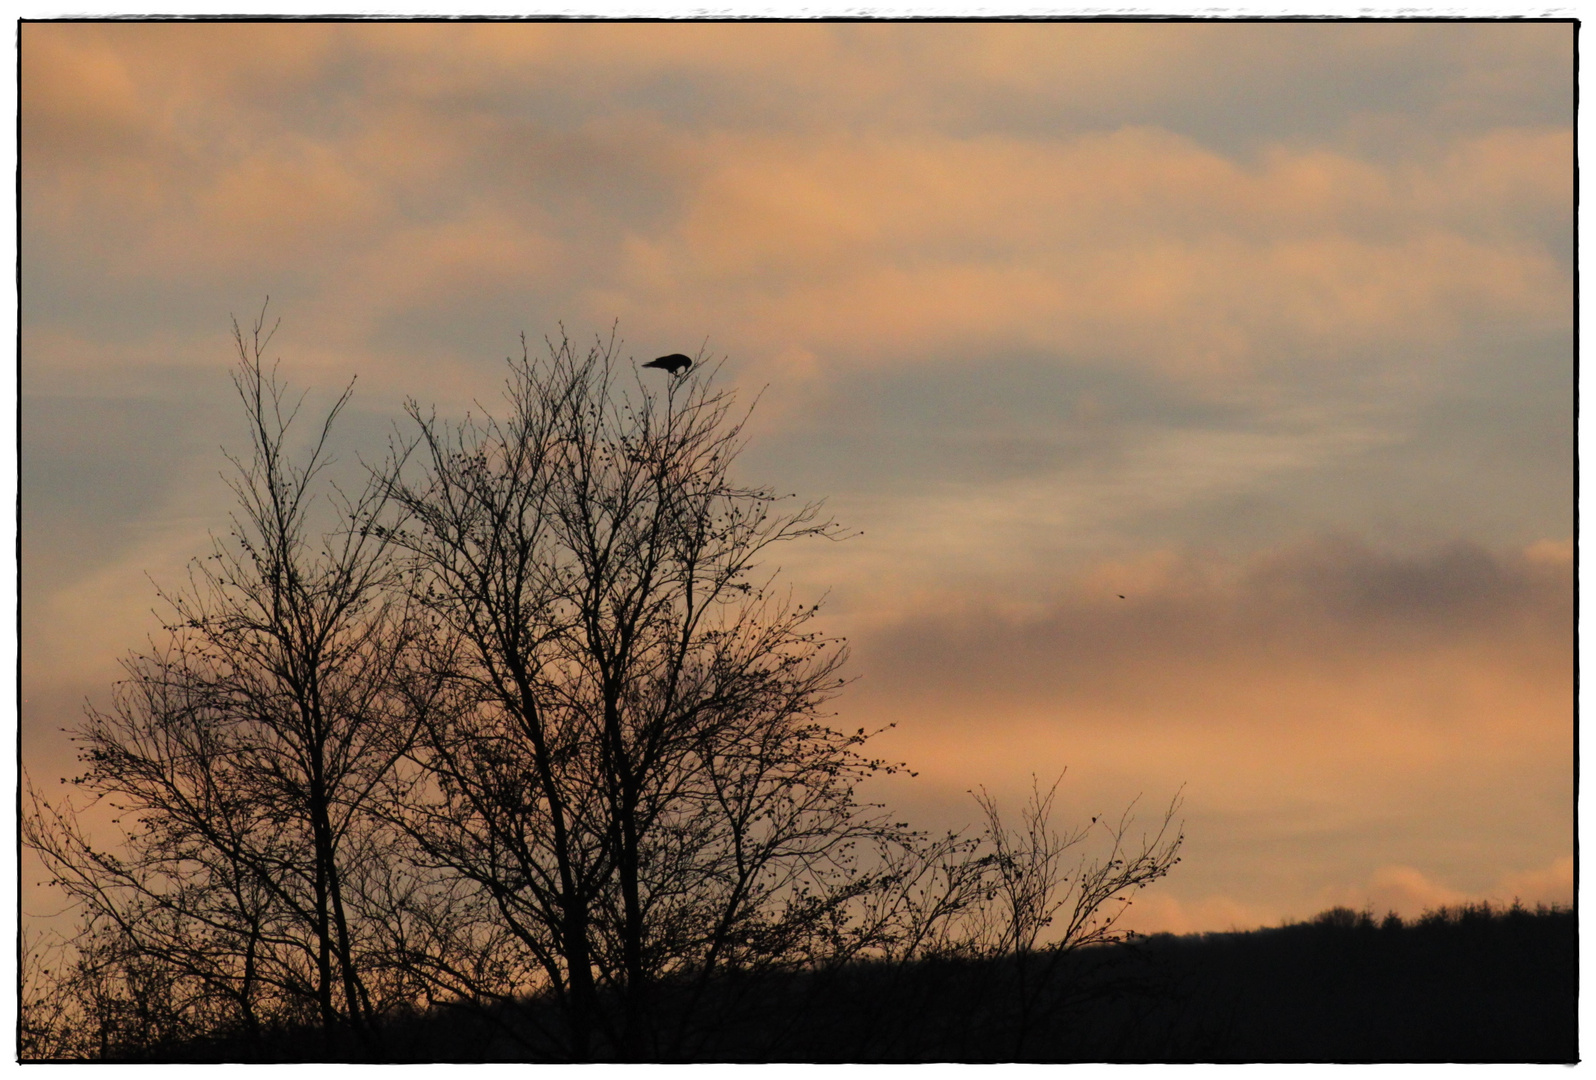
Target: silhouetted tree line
1473,983
1468,984
520,730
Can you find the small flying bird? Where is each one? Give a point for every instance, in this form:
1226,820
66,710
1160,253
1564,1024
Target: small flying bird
673,363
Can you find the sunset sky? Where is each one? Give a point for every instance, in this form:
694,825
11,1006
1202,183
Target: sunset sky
1265,327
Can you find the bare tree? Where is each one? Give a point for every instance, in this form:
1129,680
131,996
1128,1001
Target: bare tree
48,1024
631,761
1034,888
527,723
242,752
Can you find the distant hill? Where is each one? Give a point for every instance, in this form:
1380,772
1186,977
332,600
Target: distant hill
1471,984
1460,985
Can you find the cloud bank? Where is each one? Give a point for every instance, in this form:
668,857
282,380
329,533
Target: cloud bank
1267,327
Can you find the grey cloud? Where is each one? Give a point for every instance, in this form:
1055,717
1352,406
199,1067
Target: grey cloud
1482,445
1348,582
1234,87
1472,440
96,472
599,148
972,419
1319,605
92,471
1305,82
67,288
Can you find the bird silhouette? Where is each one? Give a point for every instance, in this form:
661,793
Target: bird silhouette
673,363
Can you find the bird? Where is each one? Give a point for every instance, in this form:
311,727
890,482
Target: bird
673,363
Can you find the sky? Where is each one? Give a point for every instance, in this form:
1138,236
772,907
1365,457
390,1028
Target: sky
1201,395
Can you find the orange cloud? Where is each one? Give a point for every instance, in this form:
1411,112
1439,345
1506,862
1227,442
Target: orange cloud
1410,892
1551,884
1231,218
78,93
1405,890
261,152
1326,707
1401,889
1138,245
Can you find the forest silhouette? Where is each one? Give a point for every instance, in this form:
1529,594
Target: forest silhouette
518,751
